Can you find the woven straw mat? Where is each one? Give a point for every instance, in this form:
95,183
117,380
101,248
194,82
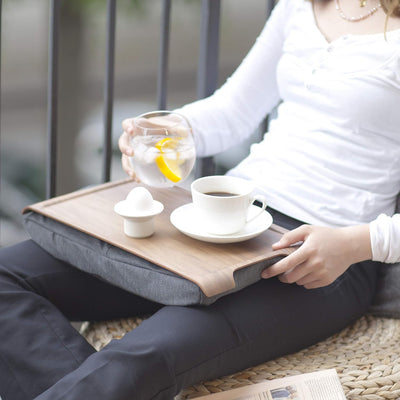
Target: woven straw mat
366,356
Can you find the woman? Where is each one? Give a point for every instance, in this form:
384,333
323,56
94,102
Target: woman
321,162
330,160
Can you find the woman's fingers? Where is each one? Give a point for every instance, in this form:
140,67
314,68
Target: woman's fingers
125,148
292,237
127,167
286,264
308,275
124,145
298,273
128,125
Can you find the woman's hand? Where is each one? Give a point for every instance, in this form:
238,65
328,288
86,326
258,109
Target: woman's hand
325,254
125,148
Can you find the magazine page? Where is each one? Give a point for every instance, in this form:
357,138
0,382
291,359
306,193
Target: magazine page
320,385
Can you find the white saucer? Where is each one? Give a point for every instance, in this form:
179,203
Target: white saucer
186,220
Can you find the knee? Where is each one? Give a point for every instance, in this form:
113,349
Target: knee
10,281
14,265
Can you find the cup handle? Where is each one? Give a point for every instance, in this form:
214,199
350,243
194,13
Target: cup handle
261,199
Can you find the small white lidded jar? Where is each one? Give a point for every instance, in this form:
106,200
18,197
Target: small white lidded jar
138,211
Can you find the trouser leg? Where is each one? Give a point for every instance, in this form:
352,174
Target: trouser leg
38,345
179,346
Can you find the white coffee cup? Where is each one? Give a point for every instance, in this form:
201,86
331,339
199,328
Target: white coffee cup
224,203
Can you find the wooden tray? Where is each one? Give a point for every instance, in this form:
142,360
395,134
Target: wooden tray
211,266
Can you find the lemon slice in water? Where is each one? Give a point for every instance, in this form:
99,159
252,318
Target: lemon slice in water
169,167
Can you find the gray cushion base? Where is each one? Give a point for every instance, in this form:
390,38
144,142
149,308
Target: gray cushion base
124,269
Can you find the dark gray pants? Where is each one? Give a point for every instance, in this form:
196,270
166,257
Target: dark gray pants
42,357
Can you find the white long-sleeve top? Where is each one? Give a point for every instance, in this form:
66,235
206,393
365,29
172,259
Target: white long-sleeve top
332,155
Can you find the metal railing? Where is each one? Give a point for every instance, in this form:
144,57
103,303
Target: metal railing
1,19
207,76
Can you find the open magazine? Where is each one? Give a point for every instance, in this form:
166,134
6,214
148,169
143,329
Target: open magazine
320,385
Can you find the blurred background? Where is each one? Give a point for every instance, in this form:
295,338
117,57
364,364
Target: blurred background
24,59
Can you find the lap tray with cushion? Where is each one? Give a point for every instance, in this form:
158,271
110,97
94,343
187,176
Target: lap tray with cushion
169,267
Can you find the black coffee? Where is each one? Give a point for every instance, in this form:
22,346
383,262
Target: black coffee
221,194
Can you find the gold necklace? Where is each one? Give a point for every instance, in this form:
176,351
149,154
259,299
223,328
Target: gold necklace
360,17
